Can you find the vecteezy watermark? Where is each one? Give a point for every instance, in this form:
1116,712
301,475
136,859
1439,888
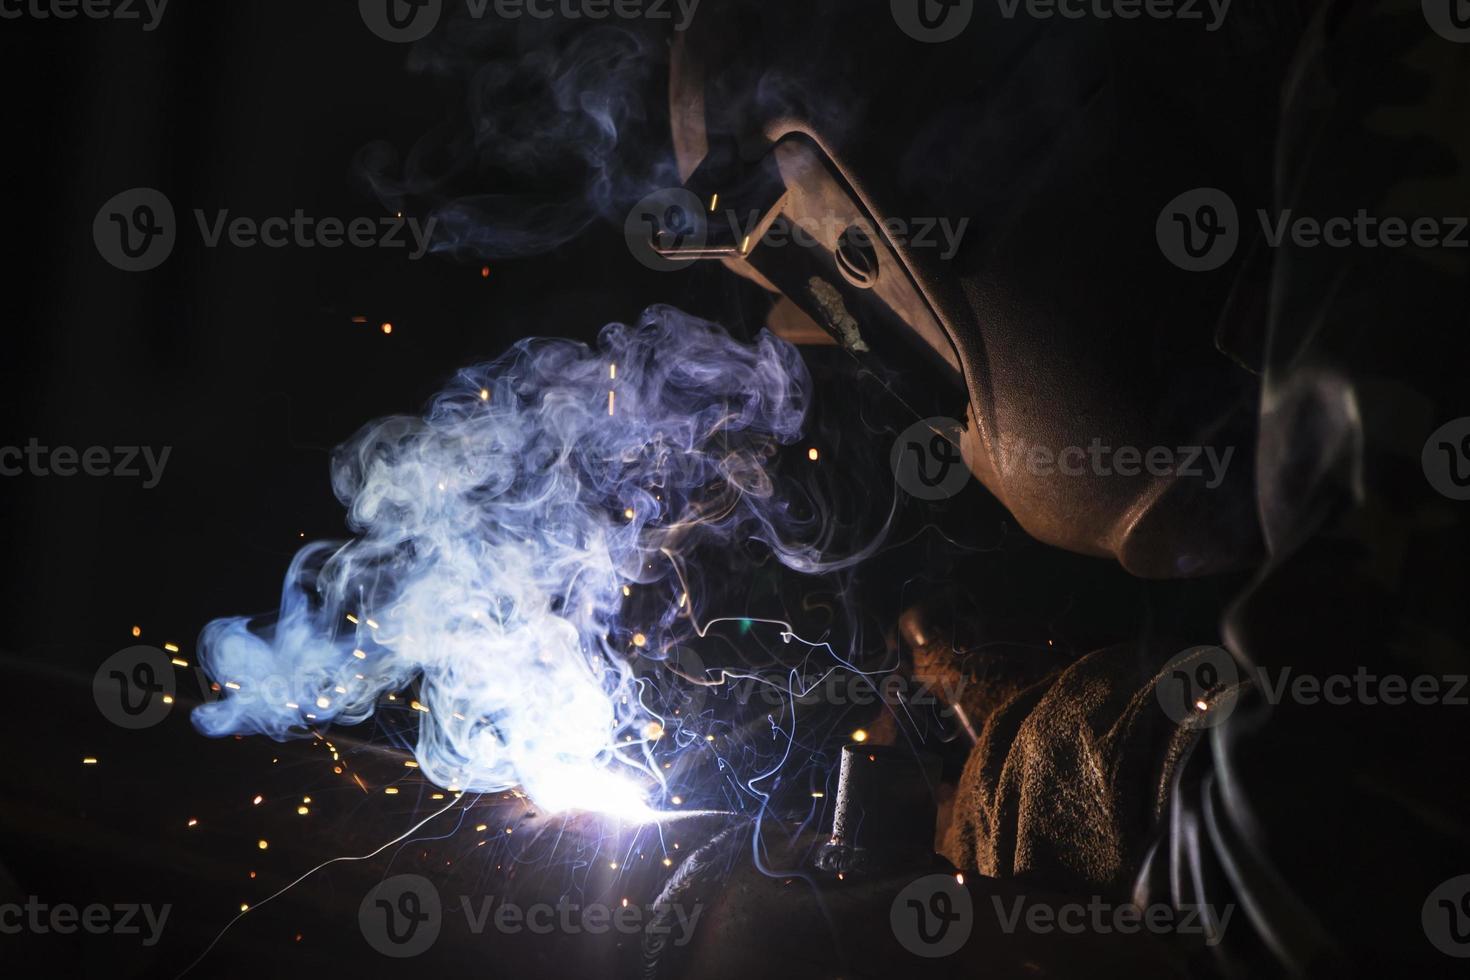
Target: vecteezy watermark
134,688
407,21
1449,18
669,219
137,230
401,21
814,231
933,21
147,12
937,21
926,459
1446,459
1200,230
1200,687
1205,463
121,462
669,222
121,919
1211,12
402,917
671,919
933,917
1446,917
1101,917
845,687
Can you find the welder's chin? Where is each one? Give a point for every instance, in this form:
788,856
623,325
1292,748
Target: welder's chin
1161,512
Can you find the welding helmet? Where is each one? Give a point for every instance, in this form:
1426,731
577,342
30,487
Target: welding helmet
999,194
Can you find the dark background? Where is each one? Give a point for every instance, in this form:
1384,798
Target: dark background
247,363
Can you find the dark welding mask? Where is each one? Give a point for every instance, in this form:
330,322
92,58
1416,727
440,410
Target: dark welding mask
1003,209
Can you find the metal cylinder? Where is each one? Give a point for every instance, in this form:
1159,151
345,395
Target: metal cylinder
886,810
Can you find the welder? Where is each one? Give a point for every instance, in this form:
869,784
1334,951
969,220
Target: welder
1114,285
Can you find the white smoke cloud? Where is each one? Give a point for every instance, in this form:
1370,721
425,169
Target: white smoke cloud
494,538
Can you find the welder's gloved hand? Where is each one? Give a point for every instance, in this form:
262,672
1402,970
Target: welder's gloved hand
1069,778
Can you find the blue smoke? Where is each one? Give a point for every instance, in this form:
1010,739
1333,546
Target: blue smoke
553,134
495,537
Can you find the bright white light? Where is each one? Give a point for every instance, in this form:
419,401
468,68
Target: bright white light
592,790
